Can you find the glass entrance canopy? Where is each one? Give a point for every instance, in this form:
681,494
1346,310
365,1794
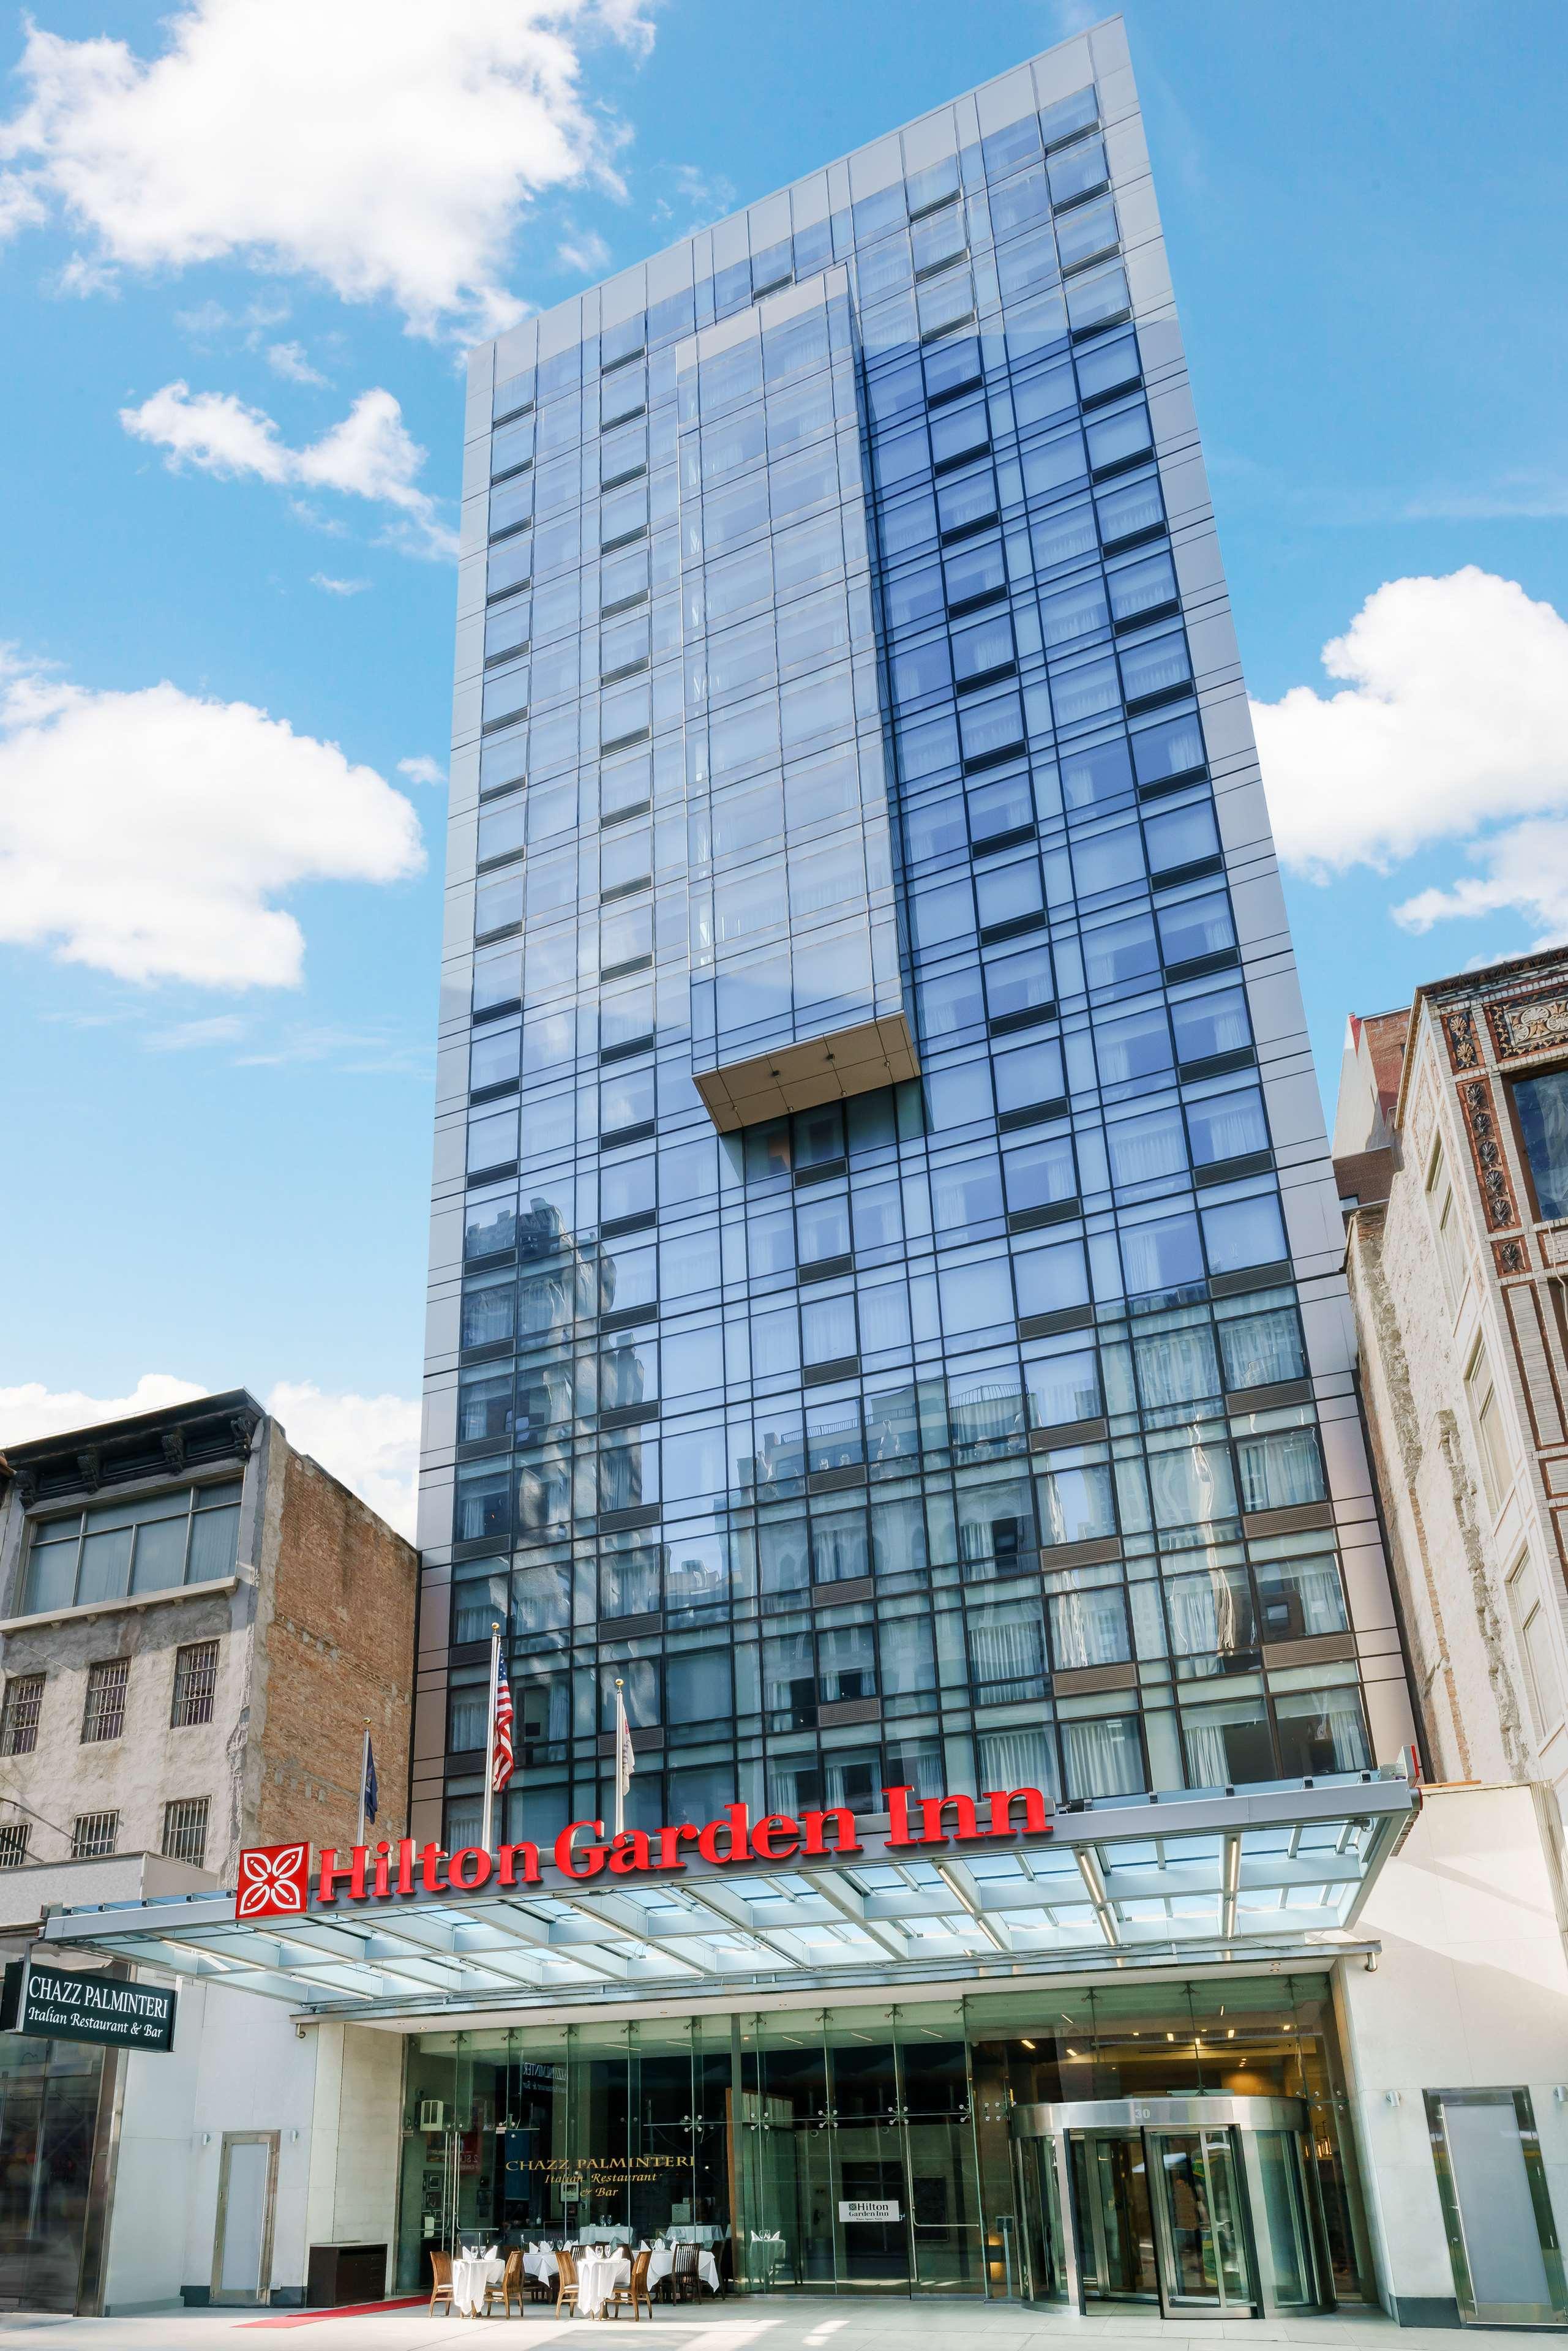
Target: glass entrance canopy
1113,1885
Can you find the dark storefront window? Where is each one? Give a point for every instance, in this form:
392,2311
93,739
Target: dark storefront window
48,2110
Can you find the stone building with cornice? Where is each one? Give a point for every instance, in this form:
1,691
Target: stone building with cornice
1451,1149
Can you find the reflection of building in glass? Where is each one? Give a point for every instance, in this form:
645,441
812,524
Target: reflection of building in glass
888,1174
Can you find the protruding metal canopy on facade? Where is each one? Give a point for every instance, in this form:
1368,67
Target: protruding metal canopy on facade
1133,1884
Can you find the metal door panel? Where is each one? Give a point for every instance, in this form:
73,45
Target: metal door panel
242,2239
1496,2209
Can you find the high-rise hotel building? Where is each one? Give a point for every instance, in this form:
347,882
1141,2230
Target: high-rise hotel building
886,1310
886,1306
887,1325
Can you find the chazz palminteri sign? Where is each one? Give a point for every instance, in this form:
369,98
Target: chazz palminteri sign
59,2004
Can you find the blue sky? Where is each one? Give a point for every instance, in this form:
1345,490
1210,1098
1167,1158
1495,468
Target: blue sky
220,1129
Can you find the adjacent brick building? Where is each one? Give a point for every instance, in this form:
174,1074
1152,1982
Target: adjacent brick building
196,1623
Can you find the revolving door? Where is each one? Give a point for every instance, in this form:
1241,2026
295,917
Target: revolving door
1200,2207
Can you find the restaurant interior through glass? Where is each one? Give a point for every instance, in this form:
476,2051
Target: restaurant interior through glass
1181,2144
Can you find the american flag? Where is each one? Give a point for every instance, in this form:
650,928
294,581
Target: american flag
501,1753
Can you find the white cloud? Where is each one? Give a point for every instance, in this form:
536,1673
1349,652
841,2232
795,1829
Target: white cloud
386,147
290,361
150,834
371,454
331,587
192,1036
211,430
210,322
585,252
423,770
699,198
374,1052
370,1443
1523,870
33,1410
1452,725
1070,16
19,208
83,274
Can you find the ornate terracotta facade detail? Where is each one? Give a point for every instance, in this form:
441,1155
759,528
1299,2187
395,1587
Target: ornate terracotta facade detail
1509,1258
1464,1045
1535,1025
1423,1111
1486,1151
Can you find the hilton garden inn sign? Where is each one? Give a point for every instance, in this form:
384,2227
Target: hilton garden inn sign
275,1879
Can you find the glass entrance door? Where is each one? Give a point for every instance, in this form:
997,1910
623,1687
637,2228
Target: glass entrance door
944,2212
870,2203
1116,2216
1160,2218
1205,2264
1283,2240
1202,2205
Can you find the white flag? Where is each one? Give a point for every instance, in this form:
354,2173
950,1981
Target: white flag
625,1762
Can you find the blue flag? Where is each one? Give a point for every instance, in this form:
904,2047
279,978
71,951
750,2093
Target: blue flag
371,1792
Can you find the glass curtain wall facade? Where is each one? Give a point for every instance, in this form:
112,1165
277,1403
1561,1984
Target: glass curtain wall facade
863,1320
748,2133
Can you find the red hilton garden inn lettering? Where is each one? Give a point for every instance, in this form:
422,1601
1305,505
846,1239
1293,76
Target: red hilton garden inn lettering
274,1880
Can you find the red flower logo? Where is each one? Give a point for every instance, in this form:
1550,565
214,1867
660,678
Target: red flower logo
273,1882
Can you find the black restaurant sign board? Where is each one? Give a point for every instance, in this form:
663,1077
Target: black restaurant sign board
58,2004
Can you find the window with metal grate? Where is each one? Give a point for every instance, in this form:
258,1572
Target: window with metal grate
195,1683
19,1715
185,1829
93,1834
105,1714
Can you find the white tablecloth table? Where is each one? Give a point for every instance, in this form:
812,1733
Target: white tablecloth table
470,2275
598,2275
540,2265
663,2264
765,2254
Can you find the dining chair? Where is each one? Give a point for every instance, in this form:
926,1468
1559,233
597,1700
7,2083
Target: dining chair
503,2288
441,2279
686,2277
635,2292
566,2281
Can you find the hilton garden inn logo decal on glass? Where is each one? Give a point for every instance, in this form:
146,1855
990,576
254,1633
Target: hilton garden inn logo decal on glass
273,1882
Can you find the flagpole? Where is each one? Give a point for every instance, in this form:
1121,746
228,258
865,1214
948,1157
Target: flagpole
490,1738
364,1775
620,1773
